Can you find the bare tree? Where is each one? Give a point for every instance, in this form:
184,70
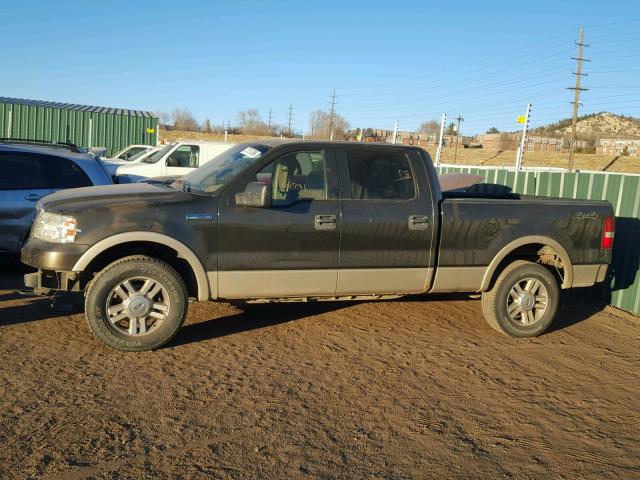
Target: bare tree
320,125
430,127
165,118
184,120
251,123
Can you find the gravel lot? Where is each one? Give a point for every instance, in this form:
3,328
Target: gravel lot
413,388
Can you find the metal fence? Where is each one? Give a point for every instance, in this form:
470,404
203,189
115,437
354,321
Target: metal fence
622,289
83,125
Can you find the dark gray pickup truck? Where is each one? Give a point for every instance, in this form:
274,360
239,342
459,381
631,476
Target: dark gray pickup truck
310,221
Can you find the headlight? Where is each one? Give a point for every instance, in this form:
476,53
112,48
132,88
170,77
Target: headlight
55,228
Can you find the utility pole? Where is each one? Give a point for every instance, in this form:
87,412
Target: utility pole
290,118
332,113
576,100
440,139
269,121
520,151
459,118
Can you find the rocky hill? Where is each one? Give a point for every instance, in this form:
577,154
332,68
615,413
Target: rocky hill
595,125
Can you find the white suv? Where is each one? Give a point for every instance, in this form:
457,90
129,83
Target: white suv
174,160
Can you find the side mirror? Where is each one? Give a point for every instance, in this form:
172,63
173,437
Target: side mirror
255,195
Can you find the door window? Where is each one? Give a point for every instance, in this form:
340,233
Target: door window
380,175
300,175
22,171
185,156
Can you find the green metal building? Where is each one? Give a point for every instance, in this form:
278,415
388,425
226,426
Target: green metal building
86,126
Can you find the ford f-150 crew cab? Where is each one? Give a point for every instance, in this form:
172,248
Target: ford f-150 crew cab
310,221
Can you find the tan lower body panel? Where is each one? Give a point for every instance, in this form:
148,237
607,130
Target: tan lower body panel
355,281
277,283
587,275
458,279
318,283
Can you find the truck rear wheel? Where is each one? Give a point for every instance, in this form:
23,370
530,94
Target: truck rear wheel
524,300
135,304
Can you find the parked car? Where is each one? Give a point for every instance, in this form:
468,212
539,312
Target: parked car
112,165
310,221
174,159
31,170
127,153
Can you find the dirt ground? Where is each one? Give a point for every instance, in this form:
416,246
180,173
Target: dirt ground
412,388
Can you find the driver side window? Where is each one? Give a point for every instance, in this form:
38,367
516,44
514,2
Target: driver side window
184,156
300,175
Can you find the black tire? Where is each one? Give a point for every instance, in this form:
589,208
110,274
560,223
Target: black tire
497,302
101,290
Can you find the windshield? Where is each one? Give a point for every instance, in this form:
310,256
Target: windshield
222,169
140,155
159,154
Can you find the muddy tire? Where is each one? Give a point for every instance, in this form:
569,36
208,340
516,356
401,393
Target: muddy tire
136,303
523,301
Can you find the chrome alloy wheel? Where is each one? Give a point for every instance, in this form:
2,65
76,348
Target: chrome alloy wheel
138,305
527,301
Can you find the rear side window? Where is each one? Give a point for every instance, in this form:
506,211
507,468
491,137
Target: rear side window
63,173
380,175
25,171
22,171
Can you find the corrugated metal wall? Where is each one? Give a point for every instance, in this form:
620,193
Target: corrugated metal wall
622,190
108,130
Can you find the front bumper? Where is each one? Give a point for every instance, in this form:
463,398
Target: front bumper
52,256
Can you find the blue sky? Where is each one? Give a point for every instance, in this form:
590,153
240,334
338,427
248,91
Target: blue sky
405,61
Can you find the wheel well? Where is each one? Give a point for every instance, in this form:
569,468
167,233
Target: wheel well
150,249
537,253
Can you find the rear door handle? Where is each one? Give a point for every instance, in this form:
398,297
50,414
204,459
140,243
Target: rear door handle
418,222
325,222
34,197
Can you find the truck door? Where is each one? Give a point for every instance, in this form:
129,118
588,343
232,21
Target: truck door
388,221
291,248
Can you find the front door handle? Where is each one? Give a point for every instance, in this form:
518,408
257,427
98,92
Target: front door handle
325,222
418,222
34,197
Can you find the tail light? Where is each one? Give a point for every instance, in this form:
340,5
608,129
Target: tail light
608,232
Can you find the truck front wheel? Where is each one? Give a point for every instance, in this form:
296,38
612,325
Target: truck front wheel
136,303
523,301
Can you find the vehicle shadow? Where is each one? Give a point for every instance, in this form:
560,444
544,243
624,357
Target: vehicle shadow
30,308
252,317
575,307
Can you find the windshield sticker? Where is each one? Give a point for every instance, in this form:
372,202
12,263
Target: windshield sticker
251,152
